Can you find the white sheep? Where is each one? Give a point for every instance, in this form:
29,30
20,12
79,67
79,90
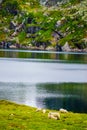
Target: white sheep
44,111
63,110
38,109
54,115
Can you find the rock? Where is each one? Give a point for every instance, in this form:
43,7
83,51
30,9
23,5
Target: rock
14,34
66,47
41,48
80,45
59,23
85,50
28,35
13,25
5,45
42,45
1,46
51,2
12,47
33,29
29,20
12,7
77,50
18,45
58,47
6,30
60,35
1,1
14,12
50,48
56,36
85,40
20,26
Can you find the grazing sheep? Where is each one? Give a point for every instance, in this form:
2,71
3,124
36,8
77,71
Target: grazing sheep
38,109
44,110
63,110
54,115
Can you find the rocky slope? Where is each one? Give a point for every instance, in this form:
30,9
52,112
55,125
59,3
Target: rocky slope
29,24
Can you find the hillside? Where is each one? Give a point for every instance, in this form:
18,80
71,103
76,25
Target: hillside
28,24
20,117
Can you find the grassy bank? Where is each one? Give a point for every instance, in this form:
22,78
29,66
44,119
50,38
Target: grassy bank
20,117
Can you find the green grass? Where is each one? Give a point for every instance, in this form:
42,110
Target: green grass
21,117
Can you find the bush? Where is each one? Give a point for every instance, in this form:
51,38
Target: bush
9,7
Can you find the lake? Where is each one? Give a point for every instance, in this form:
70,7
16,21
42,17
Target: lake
51,80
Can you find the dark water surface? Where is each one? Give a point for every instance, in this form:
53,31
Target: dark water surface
42,79
71,96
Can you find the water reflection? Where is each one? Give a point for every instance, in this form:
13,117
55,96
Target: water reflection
71,96
60,56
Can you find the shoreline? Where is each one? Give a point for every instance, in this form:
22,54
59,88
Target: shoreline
47,50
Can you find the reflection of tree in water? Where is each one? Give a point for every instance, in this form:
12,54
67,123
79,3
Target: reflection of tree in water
71,104
76,58
71,96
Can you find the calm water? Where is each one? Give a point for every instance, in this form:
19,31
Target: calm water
45,56
43,79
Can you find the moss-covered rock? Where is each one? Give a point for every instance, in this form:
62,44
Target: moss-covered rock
34,23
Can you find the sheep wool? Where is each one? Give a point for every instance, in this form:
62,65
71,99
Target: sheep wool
54,115
44,110
38,109
63,110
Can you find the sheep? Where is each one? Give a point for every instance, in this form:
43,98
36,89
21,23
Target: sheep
44,111
54,115
38,109
63,110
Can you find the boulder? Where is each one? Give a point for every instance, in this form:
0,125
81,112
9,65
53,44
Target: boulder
29,20
14,34
14,12
12,47
58,47
59,23
42,45
5,45
33,29
60,35
1,46
50,48
1,1
56,36
13,25
6,30
51,2
20,26
66,47
85,50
